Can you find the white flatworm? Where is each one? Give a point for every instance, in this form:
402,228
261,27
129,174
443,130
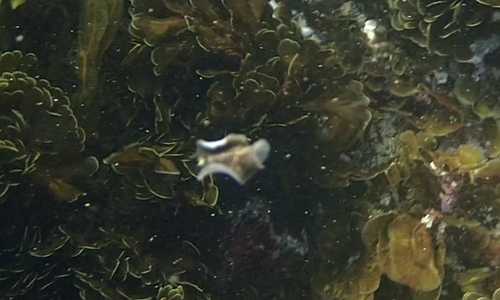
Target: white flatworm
232,156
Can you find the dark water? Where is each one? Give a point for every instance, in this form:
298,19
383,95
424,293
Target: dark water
381,183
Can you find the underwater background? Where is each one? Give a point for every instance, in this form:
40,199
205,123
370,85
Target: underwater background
383,181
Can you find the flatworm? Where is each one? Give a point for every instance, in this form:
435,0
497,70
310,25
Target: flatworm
233,155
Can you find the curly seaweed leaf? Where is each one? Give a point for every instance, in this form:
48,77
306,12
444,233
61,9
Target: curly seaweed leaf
99,22
14,4
348,114
40,136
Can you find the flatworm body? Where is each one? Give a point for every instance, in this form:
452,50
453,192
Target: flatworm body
233,155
